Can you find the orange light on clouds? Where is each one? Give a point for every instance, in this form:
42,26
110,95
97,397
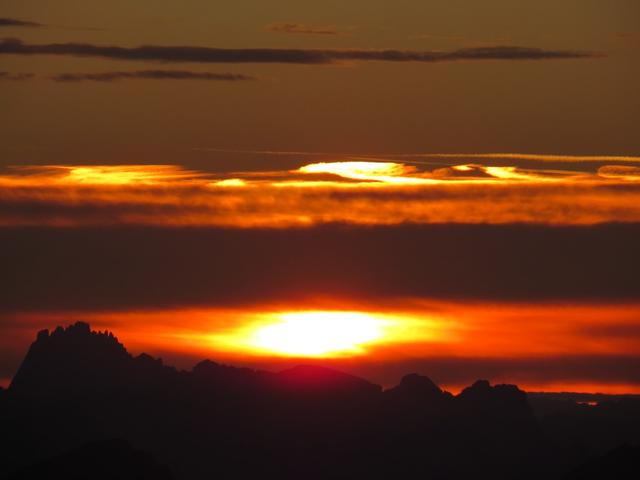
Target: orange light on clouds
319,333
230,182
360,193
120,175
354,192
386,172
94,175
418,328
512,173
364,336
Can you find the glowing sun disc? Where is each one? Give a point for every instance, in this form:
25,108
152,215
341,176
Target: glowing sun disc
315,334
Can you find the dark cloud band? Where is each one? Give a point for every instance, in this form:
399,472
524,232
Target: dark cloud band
14,22
292,56
16,77
150,75
139,267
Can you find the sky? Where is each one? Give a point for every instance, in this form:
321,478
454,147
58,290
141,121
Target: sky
447,187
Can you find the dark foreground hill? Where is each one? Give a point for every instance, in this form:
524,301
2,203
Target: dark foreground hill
80,402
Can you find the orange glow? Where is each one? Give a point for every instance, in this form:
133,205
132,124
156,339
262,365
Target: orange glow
386,172
583,387
121,175
512,173
620,172
343,334
230,182
362,193
558,386
118,175
318,334
415,328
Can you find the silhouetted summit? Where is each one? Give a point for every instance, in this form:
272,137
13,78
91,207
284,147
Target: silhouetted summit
77,387
319,379
417,387
73,358
417,399
77,360
503,403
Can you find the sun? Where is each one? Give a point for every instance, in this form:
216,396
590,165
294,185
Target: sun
318,333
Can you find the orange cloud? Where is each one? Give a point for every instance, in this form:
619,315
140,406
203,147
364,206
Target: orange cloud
358,192
620,172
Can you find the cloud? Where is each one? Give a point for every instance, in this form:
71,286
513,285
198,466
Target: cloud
457,158
150,75
13,22
357,193
301,28
16,77
131,75
528,156
462,171
149,267
622,172
292,56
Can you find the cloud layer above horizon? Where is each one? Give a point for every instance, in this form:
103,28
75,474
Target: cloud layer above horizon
361,192
198,54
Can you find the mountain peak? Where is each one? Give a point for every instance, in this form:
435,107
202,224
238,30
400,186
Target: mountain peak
417,392
482,388
419,384
502,403
312,377
72,358
79,331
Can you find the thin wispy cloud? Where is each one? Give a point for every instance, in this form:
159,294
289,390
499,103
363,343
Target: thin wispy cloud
443,156
115,76
14,22
290,56
16,77
301,28
150,75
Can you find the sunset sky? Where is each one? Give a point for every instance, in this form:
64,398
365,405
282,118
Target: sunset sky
445,187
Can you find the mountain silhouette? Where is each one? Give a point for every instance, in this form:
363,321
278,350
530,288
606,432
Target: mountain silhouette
70,360
621,462
79,389
104,460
